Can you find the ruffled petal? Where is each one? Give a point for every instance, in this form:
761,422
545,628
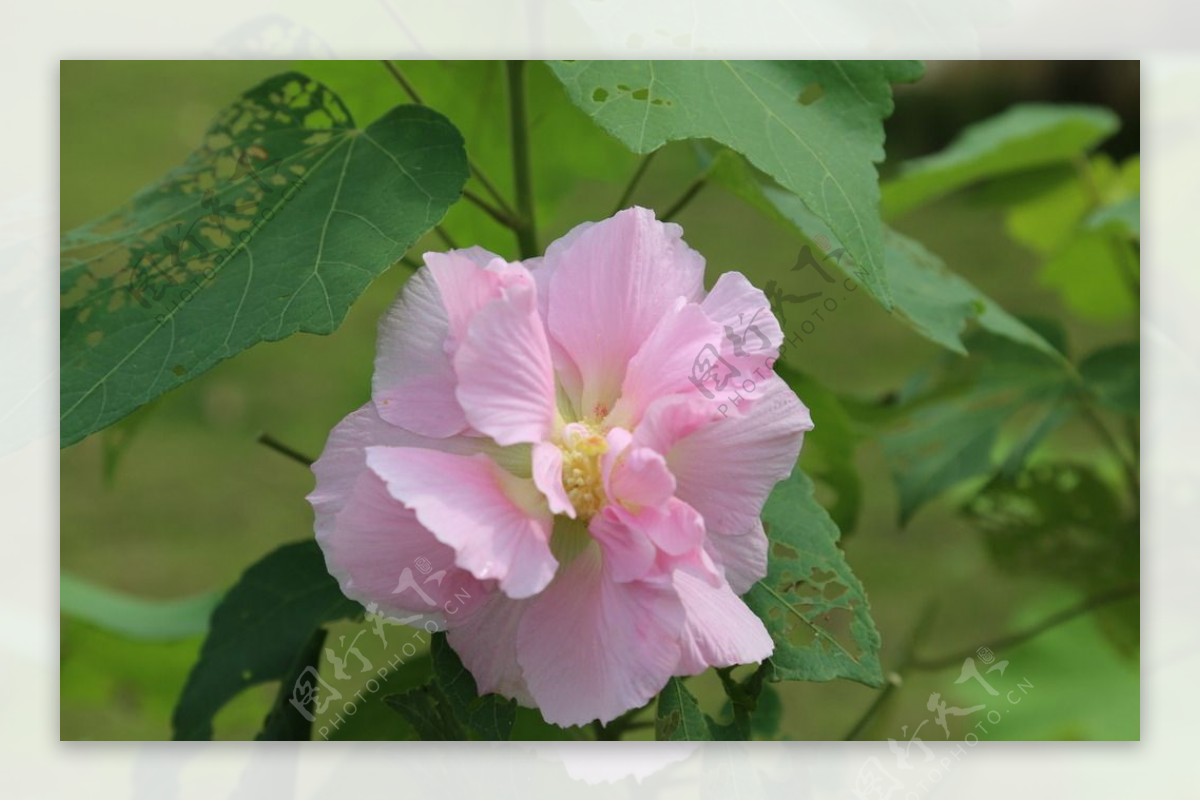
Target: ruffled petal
726,469
742,557
666,363
380,554
485,639
505,377
547,475
414,381
720,630
497,524
591,648
610,285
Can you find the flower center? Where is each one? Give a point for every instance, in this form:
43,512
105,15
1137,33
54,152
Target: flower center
582,446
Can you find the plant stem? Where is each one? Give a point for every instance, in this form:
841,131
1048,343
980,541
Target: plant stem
1012,640
411,91
445,237
493,212
408,88
633,182
684,199
279,447
526,225
1128,464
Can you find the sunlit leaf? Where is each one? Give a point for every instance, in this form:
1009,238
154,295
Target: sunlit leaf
810,601
1023,137
274,225
814,126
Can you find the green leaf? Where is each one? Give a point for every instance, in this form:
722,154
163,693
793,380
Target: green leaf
274,225
489,717
927,296
1123,217
428,712
1059,520
257,631
1021,138
814,126
285,721
449,707
1094,277
829,447
810,601
1114,374
679,716
133,617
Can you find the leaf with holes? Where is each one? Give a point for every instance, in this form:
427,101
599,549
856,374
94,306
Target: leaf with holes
257,633
274,225
1061,520
811,602
679,716
816,127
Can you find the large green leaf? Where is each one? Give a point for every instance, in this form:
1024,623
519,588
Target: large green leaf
274,225
929,297
285,721
258,631
1021,138
812,604
133,617
814,126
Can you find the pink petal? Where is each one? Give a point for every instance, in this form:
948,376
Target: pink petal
375,547
639,477
742,557
485,639
720,630
665,364
414,380
505,378
591,648
744,314
629,553
727,468
610,284
496,523
547,475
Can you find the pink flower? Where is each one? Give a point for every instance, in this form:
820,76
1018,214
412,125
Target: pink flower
563,464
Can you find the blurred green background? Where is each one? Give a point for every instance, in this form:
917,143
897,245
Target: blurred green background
180,498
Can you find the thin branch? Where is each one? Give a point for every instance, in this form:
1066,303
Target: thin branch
634,181
1084,607
684,199
408,88
491,190
522,179
1128,464
411,91
894,679
445,237
279,447
493,212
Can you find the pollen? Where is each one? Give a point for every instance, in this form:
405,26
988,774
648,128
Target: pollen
582,446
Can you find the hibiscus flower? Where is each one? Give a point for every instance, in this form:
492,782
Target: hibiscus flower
572,453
